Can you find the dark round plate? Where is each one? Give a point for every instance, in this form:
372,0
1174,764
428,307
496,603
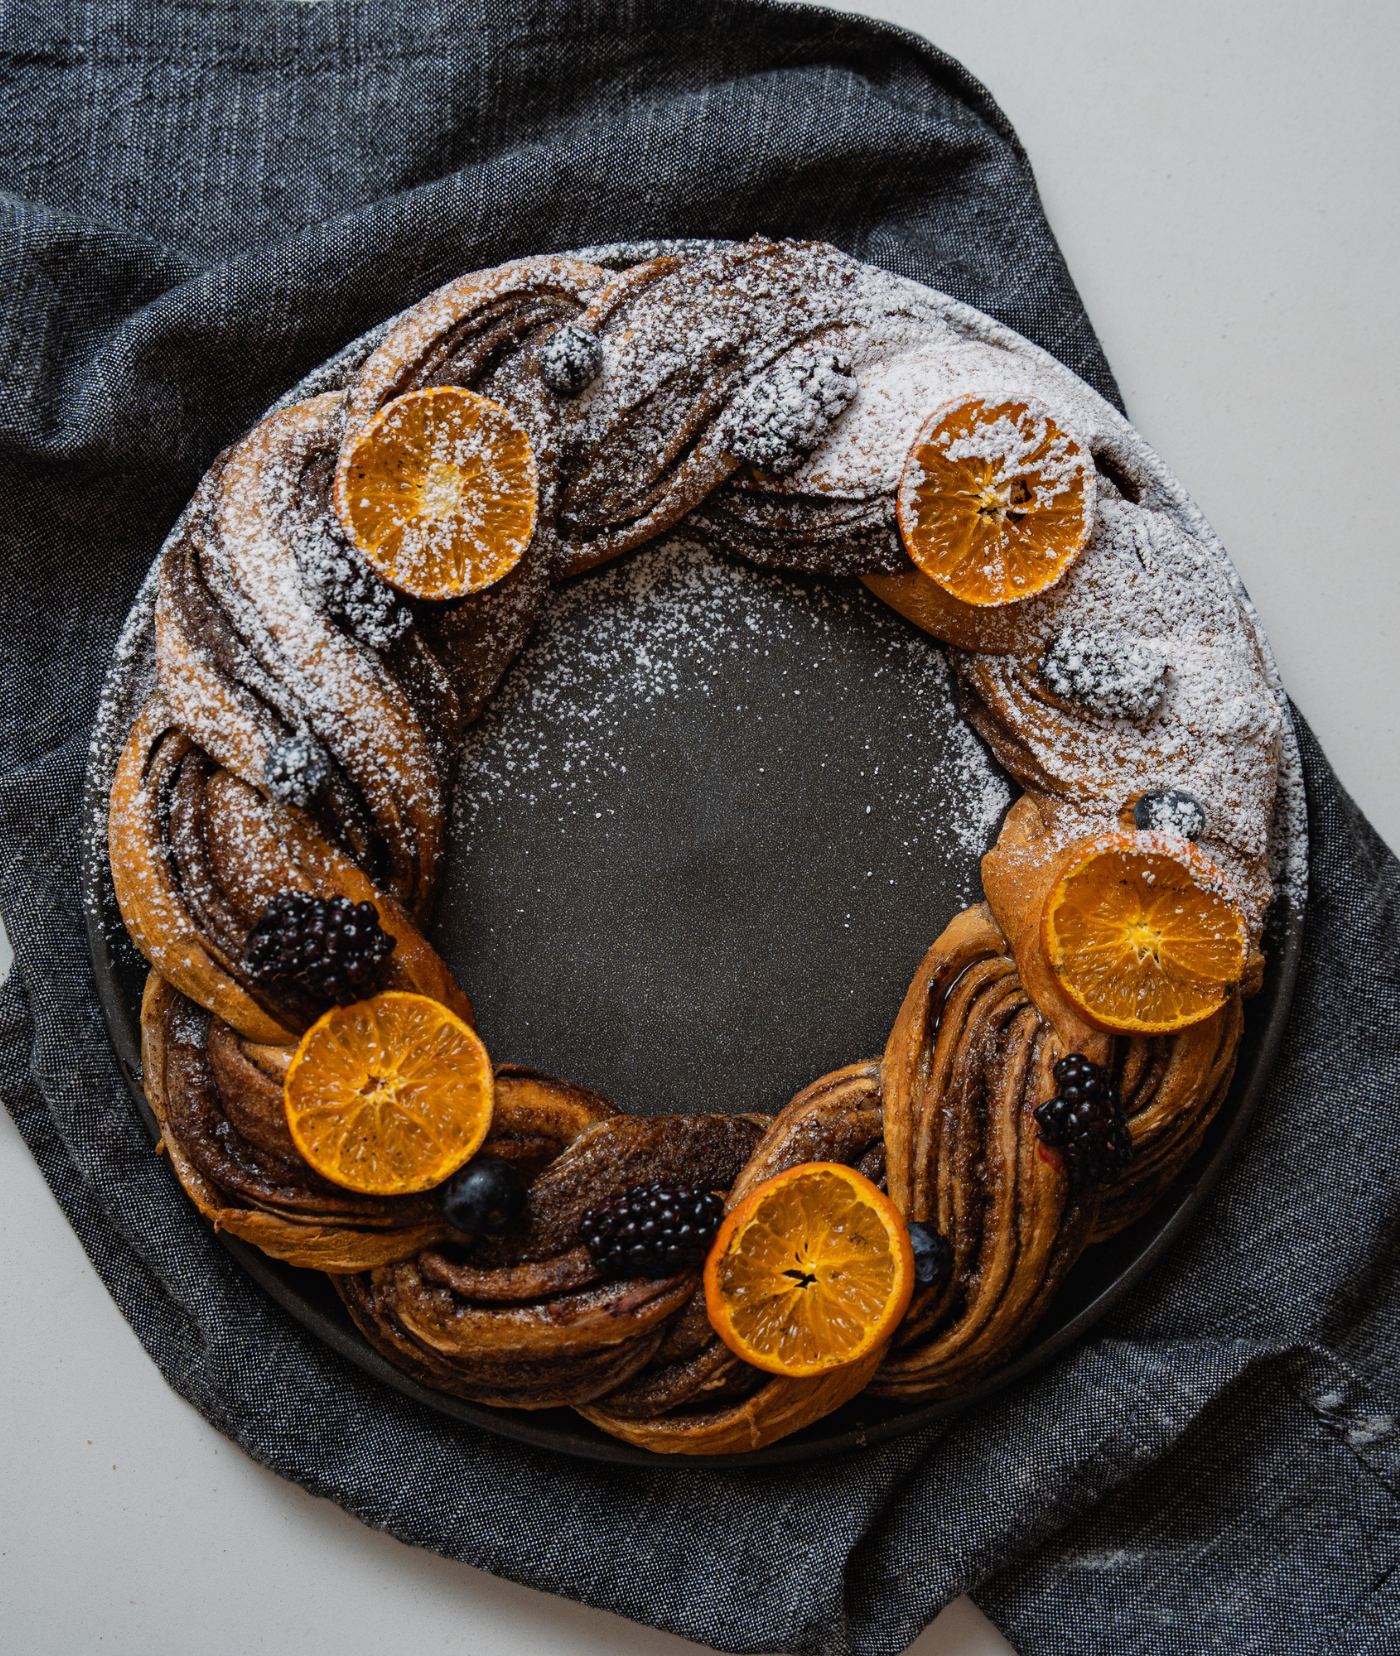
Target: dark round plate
700,841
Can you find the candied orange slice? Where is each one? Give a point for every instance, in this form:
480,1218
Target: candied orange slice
390,1095
811,1271
1144,934
439,491
996,500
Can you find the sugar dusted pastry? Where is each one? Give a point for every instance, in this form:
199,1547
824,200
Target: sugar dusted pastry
341,599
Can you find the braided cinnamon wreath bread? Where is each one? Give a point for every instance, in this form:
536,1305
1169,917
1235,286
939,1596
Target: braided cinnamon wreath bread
294,758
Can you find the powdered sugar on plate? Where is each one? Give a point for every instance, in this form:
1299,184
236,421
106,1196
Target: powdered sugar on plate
674,624
706,830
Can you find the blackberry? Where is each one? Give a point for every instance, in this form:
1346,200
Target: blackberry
777,420
933,1255
483,1198
337,577
1085,1123
329,946
1170,811
570,360
1106,671
654,1230
295,770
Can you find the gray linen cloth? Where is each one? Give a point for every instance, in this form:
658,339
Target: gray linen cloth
200,203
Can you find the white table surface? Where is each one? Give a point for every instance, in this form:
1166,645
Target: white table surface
1223,182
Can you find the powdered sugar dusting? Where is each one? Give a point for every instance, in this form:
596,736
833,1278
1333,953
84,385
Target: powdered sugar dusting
1014,447
674,623
1175,624
1213,733
326,682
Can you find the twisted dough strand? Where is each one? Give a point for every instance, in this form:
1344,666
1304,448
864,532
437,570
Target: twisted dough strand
256,641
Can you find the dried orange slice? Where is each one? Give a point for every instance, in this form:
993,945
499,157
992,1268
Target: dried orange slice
390,1095
1144,934
439,491
996,500
811,1271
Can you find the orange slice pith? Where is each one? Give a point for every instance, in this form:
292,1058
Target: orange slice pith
389,1096
996,500
440,492
1143,934
811,1271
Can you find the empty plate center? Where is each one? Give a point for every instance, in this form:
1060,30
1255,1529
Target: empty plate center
706,831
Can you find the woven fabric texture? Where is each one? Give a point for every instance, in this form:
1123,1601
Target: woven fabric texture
200,202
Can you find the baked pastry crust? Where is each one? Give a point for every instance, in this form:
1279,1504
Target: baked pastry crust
268,628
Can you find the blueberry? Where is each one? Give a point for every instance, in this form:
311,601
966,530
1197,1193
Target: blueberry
296,769
1170,811
483,1198
571,358
933,1257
